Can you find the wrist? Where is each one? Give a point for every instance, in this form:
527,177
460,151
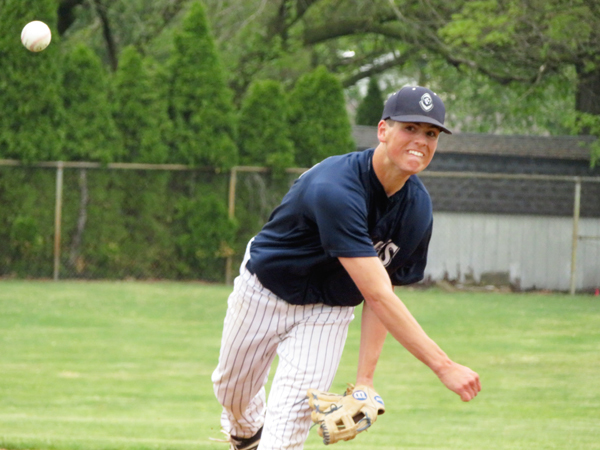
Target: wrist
441,366
364,381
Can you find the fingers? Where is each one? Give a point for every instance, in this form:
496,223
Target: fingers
471,388
463,381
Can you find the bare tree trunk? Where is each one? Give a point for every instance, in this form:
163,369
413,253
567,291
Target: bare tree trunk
111,46
75,260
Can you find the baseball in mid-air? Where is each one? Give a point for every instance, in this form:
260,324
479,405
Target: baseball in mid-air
36,36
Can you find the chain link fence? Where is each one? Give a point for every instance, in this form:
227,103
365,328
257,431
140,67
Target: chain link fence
135,221
128,221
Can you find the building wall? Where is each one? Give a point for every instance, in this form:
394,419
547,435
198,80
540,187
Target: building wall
507,196
529,252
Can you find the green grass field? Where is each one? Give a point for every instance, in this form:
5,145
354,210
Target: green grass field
127,365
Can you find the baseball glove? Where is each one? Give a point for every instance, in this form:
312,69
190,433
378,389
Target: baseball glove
342,417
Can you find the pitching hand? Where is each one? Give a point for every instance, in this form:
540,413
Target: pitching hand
461,380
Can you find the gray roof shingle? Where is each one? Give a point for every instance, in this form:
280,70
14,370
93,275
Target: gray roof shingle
553,147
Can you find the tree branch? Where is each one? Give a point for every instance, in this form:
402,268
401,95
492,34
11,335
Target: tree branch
288,14
377,68
348,27
388,27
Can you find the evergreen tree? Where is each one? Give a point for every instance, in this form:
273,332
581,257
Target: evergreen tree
370,108
319,121
91,133
31,111
264,135
200,104
139,112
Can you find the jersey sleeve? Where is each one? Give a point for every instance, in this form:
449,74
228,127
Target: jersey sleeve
340,214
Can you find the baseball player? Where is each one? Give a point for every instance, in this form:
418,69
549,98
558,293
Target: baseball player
348,230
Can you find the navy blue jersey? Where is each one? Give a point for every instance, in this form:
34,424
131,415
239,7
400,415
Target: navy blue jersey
340,209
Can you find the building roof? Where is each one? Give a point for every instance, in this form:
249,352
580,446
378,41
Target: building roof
553,147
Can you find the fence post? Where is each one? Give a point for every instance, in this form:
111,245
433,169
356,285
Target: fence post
231,209
575,238
57,218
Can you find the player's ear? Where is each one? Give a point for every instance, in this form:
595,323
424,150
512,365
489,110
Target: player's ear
382,127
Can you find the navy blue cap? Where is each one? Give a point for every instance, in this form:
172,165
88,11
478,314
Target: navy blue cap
416,104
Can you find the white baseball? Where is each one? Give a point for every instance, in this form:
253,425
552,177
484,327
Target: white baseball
36,36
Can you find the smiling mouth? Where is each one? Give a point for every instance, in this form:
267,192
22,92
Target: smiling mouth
416,153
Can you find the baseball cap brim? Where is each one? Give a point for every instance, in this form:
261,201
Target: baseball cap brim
421,119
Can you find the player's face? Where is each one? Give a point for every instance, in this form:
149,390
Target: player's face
410,146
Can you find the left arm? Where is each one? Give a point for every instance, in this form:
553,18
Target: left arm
372,338
372,280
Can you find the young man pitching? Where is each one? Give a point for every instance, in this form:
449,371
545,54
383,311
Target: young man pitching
348,230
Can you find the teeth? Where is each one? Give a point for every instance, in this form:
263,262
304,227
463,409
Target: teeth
416,153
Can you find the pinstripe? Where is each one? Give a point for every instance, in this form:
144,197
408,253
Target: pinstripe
239,344
244,363
267,356
337,349
296,424
307,372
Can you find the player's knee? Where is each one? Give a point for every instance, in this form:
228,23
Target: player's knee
236,400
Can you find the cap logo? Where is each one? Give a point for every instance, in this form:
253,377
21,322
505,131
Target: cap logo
426,102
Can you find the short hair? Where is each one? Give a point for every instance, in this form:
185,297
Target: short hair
391,123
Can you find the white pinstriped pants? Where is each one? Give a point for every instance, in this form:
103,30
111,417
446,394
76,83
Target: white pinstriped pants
309,341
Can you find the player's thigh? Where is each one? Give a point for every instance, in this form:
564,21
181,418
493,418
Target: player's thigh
309,356
249,339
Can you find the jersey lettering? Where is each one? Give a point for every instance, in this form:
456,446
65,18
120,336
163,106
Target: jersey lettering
386,251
